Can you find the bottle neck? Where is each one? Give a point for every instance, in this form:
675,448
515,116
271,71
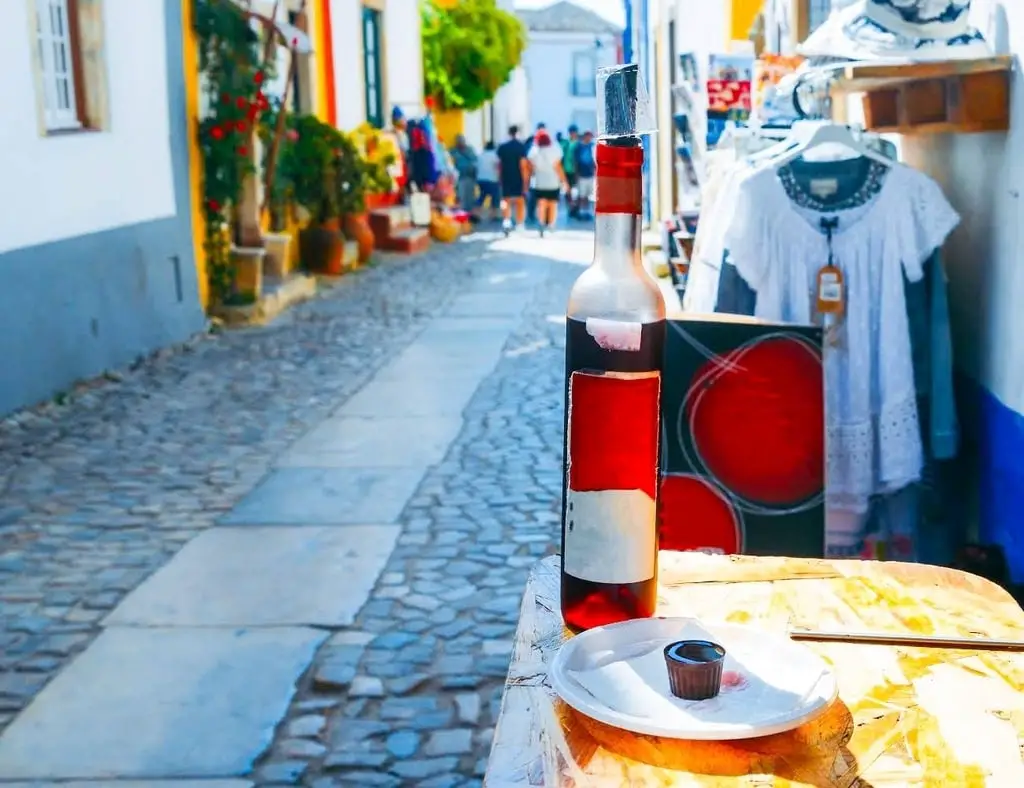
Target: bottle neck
617,243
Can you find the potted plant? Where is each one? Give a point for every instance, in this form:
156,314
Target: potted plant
277,238
351,184
309,163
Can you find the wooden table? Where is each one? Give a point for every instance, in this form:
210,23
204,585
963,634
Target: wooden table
904,717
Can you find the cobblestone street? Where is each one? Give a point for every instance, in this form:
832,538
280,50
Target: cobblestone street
362,487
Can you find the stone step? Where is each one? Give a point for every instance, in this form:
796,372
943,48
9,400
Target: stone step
386,222
411,240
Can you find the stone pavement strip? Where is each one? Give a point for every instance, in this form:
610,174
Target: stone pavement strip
381,467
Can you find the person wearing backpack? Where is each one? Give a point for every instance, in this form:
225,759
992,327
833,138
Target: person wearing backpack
585,166
569,166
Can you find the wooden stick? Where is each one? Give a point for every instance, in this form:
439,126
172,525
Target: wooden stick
915,641
279,127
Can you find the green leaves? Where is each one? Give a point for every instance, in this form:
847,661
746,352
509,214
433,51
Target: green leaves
469,51
232,76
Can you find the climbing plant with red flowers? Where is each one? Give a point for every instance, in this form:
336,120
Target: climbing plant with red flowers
232,78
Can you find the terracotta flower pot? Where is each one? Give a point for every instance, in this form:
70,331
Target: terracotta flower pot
357,227
322,248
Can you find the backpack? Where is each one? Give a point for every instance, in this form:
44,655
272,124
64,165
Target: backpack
585,164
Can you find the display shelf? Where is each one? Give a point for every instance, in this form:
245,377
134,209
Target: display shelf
952,96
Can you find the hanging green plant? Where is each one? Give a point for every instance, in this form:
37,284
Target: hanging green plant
230,61
469,51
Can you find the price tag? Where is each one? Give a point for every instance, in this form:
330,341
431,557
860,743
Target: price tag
830,291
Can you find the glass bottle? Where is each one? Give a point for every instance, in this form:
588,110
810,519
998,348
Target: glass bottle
615,332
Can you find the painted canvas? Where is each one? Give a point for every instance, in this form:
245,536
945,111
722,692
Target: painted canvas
743,438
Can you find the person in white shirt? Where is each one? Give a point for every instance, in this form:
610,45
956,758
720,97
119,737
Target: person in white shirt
487,180
545,162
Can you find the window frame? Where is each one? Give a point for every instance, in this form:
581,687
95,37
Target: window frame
70,80
584,88
373,71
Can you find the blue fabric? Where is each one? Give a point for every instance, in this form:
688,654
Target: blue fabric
944,427
735,296
1000,446
586,167
488,189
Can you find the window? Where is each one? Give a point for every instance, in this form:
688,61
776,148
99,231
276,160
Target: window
817,13
296,94
60,64
584,74
372,67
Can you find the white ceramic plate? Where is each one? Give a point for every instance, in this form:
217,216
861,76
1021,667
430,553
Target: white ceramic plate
616,674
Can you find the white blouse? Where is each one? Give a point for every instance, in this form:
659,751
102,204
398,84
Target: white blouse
778,247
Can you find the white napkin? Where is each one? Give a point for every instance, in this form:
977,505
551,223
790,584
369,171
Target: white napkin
759,685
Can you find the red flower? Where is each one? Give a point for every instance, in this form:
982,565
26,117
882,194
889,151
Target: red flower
240,102
292,135
258,78
429,102
213,205
253,113
241,126
243,150
225,98
217,133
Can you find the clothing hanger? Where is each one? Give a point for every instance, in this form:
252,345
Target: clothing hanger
831,134
801,132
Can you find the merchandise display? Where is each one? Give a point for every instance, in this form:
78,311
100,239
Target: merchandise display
826,228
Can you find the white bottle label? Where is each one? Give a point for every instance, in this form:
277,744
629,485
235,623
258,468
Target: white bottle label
610,536
612,476
615,334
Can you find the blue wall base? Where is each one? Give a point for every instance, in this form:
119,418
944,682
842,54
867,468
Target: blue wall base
73,309
997,444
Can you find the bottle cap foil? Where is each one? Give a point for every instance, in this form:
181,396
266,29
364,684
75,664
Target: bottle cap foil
624,106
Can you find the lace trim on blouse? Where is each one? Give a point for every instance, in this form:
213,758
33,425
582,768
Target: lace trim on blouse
866,192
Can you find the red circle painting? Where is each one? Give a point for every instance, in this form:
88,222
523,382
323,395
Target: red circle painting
757,420
694,515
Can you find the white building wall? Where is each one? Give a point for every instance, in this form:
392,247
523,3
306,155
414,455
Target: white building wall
404,67
347,41
548,63
984,176
62,186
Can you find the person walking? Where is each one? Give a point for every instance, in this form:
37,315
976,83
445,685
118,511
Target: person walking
545,162
531,203
464,160
585,165
512,179
487,180
569,165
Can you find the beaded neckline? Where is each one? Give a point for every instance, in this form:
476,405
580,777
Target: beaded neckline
868,190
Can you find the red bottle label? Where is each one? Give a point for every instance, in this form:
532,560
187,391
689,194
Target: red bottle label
620,185
611,519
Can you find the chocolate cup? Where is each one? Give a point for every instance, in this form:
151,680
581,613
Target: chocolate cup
694,668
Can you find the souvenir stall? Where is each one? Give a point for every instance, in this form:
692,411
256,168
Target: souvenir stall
431,181
808,217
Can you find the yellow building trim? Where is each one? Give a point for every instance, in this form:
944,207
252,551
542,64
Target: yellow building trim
190,59
741,18
449,124
320,64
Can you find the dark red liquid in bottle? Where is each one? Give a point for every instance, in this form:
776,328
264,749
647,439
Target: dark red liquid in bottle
612,433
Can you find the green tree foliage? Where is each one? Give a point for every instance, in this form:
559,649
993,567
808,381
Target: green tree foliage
469,51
